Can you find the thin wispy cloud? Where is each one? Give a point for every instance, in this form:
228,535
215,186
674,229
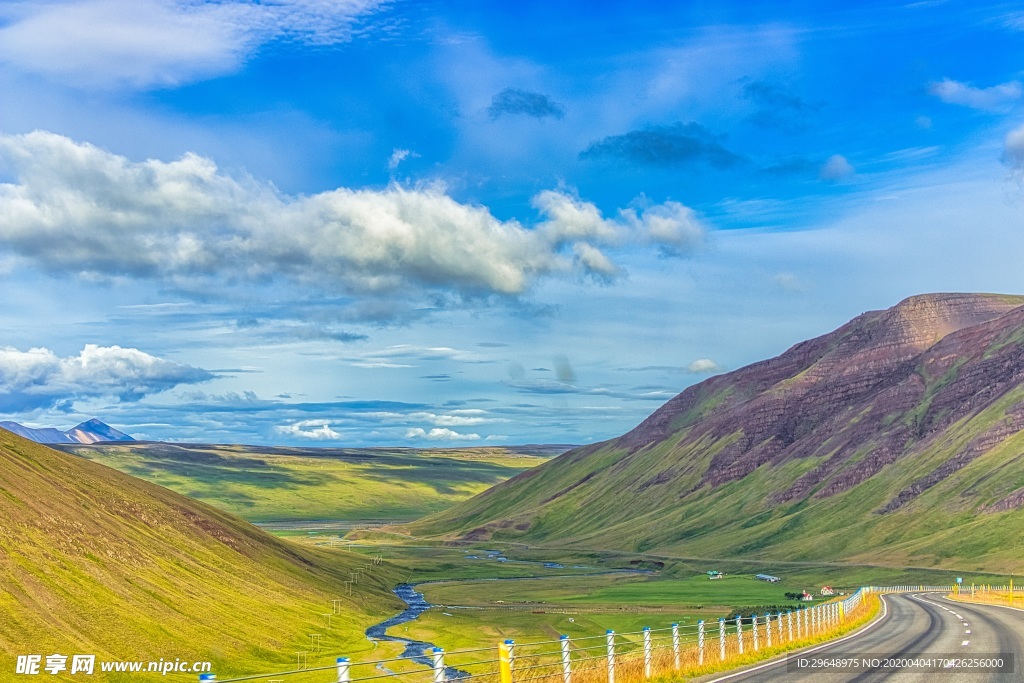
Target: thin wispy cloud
161,43
994,98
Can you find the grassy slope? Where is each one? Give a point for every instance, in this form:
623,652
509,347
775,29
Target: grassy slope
628,508
94,561
274,484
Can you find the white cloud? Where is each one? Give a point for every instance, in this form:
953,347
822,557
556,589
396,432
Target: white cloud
703,366
672,226
835,168
1013,149
38,378
460,418
145,43
439,434
76,208
398,156
314,430
993,98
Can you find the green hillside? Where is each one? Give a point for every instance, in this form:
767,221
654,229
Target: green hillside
93,561
263,484
898,438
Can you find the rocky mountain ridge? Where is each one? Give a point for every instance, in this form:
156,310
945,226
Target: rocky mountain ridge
910,415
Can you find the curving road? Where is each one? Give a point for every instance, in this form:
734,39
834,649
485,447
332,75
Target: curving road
921,628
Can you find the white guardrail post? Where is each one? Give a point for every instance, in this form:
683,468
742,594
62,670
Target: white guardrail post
566,660
611,655
343,670
753,629
721,639
438,656
700,642
739,634
768,629
778,625
789,623
675,645
647,651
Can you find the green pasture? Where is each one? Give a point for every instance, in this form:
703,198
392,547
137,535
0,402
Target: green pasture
273,484
617,590
465,629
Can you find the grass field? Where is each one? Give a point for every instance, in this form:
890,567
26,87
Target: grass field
278,484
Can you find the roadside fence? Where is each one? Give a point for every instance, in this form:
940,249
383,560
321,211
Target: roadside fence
614,657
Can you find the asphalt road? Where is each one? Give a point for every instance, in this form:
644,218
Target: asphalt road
917,630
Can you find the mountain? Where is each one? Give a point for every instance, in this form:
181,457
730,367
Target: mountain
96,561
90,431
94,431
895,438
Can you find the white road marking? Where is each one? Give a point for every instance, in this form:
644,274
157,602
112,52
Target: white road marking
968,631
966,642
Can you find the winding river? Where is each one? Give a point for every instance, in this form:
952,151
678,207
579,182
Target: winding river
415,650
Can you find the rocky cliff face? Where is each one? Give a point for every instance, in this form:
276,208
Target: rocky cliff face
899,412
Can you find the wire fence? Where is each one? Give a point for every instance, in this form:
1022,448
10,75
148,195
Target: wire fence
614,657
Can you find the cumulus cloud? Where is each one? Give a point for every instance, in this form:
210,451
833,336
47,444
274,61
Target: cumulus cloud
440,434
514,101
146,43
836,167
992,99
1013,149
456,418
673,227
314,430
703,366
665,146
38,378
78,209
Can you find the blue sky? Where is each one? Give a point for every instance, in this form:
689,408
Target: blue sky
463,223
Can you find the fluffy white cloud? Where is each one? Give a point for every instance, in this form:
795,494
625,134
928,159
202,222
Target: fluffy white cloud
703,366
146,43
440,434
314,430
1013,149
836,168
672,226
38,378
994,98
457,418
78,209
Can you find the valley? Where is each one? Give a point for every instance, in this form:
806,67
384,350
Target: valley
885,453
264,484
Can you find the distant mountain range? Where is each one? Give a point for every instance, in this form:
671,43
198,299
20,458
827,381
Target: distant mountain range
898,437
90,431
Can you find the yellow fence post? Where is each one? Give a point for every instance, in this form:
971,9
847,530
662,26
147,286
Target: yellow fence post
505,662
